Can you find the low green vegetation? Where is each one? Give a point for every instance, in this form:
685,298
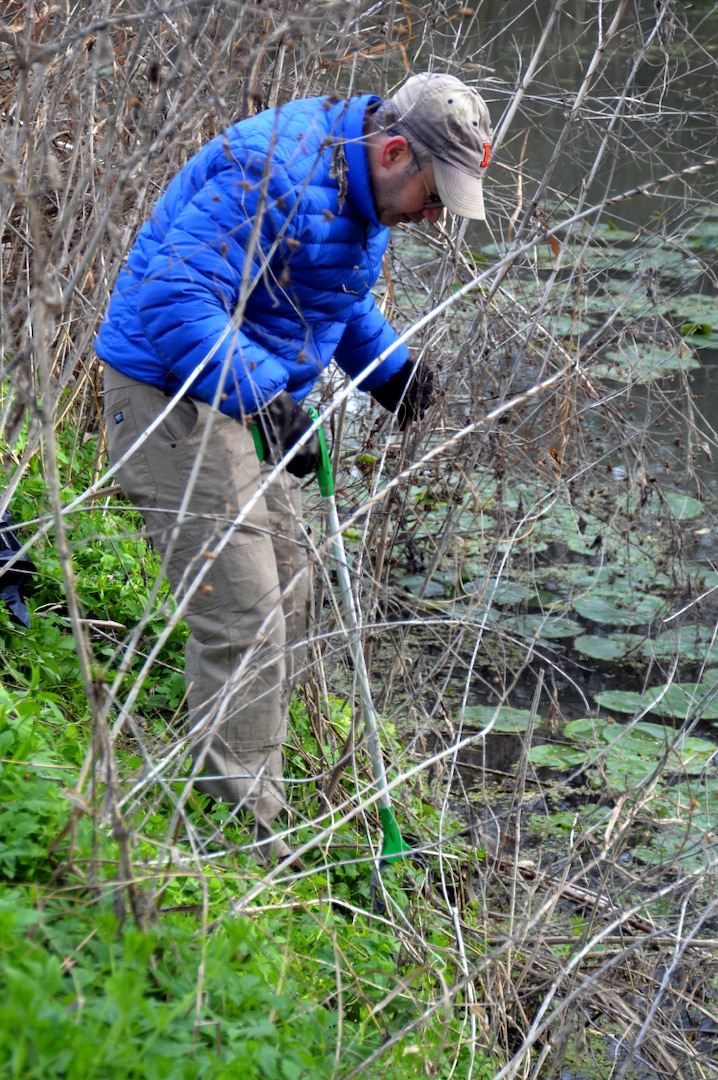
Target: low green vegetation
129,945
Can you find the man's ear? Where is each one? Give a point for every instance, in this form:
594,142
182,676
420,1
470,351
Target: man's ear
394,151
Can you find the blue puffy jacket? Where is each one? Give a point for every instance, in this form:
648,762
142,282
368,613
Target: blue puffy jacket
259,256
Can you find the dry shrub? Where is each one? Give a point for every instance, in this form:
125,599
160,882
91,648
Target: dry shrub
100,104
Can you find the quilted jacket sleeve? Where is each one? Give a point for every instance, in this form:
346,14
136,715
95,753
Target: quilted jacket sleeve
367,335
193,285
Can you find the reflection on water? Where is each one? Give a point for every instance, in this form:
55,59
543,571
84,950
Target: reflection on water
646,118
648,109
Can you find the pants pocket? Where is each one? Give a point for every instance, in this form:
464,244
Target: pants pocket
134,475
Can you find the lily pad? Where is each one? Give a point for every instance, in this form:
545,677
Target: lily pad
617,608
691,644
607,301
678,701
698,308
505,592
609,233
508,720
589,577
682,507
631,750
697,804
539,626
611,648
554,756
416,584
570,325
578,531
643,362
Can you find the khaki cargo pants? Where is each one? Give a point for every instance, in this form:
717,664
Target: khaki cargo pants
247,617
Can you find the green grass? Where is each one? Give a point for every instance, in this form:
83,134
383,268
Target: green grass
159,978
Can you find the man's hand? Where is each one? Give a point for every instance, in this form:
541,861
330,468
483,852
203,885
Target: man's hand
282,423
416,383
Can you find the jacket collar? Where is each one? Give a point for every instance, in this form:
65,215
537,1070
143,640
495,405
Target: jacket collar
358,180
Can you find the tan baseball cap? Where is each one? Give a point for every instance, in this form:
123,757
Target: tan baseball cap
453,122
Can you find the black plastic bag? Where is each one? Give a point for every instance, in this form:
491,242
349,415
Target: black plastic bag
17,581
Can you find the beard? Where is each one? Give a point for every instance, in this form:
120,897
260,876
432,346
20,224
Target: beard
389,194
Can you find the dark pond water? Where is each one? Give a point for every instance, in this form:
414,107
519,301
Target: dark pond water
644,115
666,118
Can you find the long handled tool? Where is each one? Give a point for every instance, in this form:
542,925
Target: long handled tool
393,847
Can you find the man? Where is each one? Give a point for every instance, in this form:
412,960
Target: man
252,274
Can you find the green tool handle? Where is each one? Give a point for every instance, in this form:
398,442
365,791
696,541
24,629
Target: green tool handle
393,847
258,442
325,476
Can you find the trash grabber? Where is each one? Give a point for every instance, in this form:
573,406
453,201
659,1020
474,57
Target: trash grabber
393,846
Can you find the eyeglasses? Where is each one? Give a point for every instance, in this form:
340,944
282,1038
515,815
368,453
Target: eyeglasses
433,201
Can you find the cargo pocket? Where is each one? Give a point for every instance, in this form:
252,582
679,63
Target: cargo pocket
239,594
181,423
134,475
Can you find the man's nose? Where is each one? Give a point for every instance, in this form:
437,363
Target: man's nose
433,213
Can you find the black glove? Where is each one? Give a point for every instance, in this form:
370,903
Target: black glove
282,423
416,383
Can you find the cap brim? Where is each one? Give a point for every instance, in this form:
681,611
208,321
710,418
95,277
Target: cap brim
460,192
